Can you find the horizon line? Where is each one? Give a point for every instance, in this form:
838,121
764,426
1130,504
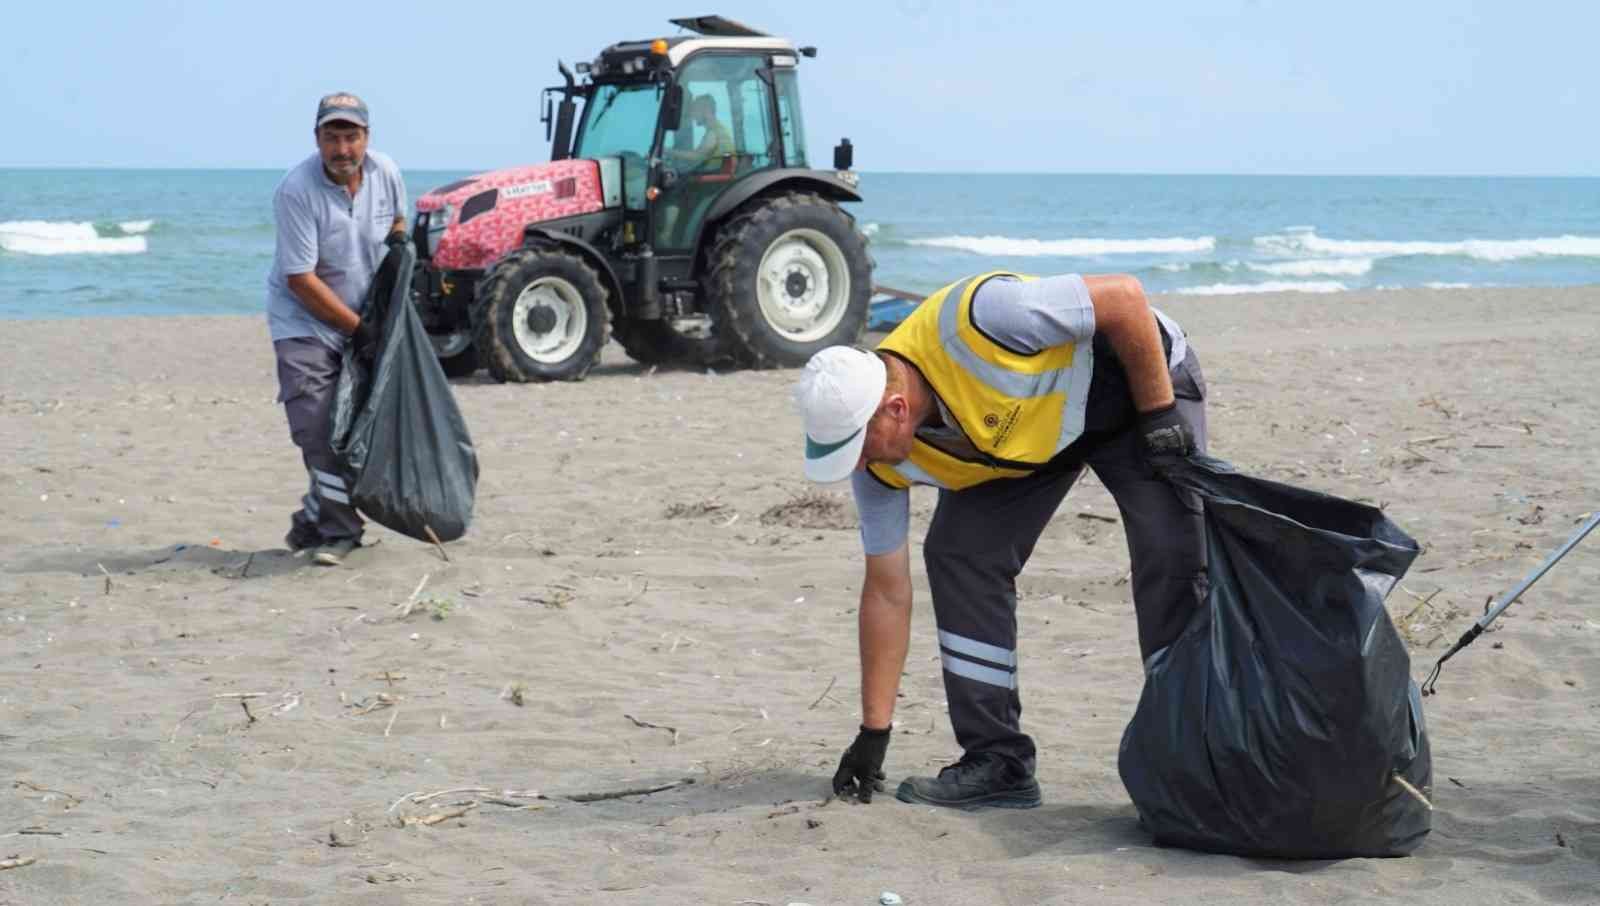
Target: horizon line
1096,173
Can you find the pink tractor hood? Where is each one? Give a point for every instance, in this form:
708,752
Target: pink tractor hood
498,205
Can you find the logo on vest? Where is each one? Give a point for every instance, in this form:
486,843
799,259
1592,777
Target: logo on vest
1002,427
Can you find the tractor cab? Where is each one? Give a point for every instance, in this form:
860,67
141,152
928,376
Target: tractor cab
668,157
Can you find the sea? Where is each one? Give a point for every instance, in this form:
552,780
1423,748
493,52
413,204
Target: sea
109,243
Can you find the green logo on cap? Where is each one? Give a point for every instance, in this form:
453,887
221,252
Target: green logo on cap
815,450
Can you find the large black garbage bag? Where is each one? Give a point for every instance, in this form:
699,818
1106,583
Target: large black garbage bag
1276,724
397,431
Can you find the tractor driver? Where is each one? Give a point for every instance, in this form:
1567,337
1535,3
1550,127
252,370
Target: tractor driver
716,146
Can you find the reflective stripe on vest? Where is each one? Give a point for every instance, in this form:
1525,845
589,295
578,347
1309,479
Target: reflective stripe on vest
1018,410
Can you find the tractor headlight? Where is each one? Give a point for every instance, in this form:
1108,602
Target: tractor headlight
438,219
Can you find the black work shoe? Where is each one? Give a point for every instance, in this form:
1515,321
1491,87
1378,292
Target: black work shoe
332,553
298,540
976,781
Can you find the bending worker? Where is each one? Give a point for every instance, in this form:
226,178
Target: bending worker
998,390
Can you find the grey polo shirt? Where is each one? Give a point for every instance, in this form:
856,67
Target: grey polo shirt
1028,317
322,229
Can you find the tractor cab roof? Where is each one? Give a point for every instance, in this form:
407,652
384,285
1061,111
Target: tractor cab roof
628,58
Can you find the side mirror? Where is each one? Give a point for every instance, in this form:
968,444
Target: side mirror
672,108
844,155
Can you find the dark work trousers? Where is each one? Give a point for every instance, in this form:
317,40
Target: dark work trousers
981,537
308,376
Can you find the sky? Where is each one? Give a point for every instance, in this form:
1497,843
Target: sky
1439,87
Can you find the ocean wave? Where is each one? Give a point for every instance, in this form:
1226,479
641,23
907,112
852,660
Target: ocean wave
1312,267
1302,243
135,227
869,230
40,237
1271,286
1067,248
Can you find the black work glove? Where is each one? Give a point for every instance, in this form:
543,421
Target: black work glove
1165,434
365,342
861,769
395,240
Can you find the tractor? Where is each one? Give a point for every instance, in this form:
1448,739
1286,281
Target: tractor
677,214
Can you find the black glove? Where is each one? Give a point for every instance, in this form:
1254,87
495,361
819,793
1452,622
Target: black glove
861,769
396,239
365,342
1165,433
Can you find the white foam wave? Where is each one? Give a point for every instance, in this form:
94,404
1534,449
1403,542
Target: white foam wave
1068,248
132,227
869,230
1302,243
40,237
1333,267
1271,286
1441,285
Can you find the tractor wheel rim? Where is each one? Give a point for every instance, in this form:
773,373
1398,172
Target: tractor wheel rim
562,339
803,285
446,345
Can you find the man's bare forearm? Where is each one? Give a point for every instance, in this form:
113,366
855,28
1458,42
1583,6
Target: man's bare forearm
1123,314
884,625
323,303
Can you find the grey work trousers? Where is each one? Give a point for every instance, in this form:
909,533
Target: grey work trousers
982,536
308,377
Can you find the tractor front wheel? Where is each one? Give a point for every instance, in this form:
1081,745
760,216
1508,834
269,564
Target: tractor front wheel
543,317
789,276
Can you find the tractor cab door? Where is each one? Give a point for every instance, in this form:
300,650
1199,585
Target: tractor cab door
726,130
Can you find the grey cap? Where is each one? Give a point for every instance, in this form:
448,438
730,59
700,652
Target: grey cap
342,105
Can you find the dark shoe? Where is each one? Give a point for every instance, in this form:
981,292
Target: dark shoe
298,540
976,781
333,552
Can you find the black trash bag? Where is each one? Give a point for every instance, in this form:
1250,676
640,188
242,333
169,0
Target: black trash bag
1276,724
397,431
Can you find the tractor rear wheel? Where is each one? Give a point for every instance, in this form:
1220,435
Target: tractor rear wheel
457,354
789,275
543,317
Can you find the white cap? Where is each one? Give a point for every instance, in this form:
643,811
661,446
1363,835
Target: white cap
837,393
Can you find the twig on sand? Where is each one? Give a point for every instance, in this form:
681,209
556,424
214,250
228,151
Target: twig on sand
620,794
639,595
174,736
392,718
824,692
76,800
639,723
401,611
436,542
437,817
245,572
107,575
506,794
245,704
1413,791
240,695
1097,517
1406,620
16,862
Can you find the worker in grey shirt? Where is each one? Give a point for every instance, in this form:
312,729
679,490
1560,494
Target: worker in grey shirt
998,390
335,213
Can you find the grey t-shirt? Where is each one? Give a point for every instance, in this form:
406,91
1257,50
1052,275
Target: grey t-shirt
322,229
1025,316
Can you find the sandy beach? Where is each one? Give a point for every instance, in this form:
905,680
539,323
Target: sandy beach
652,598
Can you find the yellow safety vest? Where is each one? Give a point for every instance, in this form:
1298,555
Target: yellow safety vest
1019,410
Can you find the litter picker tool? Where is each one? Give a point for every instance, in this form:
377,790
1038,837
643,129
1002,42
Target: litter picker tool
1489,616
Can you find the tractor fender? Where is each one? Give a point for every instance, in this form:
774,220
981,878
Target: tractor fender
822,182
536,235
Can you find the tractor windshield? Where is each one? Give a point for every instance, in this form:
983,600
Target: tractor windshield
619,120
